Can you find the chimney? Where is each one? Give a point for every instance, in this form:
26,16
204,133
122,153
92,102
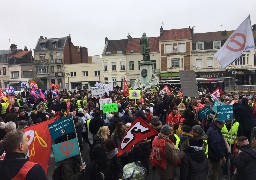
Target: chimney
13,48
254,27
41,37
224,33
106,40
25,48
45,38
129,37
161,30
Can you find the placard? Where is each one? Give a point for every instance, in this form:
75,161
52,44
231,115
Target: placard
225,112
104,101
188,83
203,113
134,94
113,107
61,127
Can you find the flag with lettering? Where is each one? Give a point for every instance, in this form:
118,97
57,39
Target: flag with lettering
166,90
216,94
39,143
241,40
138,131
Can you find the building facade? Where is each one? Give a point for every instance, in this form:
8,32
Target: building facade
50,56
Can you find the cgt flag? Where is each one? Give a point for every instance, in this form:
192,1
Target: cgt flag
39,143
138,131
241,40
216,94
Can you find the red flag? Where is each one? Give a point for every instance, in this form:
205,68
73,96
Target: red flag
33,84
125,88
216,94
138,131
166,90
40,143
68,106
1,93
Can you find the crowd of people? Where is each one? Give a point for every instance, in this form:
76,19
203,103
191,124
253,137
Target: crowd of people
186,147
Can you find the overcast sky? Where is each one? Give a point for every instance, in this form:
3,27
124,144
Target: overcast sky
90,21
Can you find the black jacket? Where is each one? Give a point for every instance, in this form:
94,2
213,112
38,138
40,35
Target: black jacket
13,162
244,115
194,165
245,163
216,143
95,124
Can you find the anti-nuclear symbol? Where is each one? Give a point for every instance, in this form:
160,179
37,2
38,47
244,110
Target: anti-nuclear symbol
67,148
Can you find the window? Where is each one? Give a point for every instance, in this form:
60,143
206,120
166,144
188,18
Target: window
52,69
42,57
59,81
42,69
15,74
199,63
105,66
200,46
113,66
182,47
114,80
27,74
242,60
58,54
72,74
209,62
139,65
122,65
154,64
168,48
131,65
175,63
54,45
216,44
53,81
4,70
59,68
85,73
96,73
51,56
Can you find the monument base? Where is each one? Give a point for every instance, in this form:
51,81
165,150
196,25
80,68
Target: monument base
146,69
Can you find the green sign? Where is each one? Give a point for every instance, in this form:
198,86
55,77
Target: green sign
170,74
113,107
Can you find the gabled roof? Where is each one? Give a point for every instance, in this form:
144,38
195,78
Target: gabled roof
211,36
20,54
133,45
176,34
49,43
116,45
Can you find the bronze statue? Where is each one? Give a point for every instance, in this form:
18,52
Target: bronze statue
144,43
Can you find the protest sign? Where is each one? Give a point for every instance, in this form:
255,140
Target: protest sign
216,103
188,83
204,112
65,149
61,127
113,107
134,94
104,101
225,112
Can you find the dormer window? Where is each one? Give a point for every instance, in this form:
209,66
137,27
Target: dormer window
200,46
216,44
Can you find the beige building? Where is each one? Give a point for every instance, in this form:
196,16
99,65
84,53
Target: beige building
82,75
20,73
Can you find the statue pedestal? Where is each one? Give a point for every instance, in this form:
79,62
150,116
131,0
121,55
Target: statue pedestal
146,72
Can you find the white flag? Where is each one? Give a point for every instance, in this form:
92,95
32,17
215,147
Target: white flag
241,40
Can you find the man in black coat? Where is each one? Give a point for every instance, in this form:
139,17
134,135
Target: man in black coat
217,149
244,115
15,144
245,162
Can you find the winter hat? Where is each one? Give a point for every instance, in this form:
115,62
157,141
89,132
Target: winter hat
155,121
166,129
80,110
197,129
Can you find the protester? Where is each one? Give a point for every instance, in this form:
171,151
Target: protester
194,165
101,136
15,164
217,149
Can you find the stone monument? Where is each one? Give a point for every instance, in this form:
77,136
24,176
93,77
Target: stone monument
146,65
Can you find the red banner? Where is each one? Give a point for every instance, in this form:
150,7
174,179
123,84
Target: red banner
40,143
138,131
68,106
125,88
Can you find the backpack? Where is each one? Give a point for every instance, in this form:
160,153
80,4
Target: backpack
134,171
57,173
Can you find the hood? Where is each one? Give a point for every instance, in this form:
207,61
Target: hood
198,156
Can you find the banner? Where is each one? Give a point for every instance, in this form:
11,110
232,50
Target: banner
39,143
138,131
68,106
125,88
166,90
203,113
104,101
61,127
216,94
65,149
241,40
33,84
134,94
225,112
216,104
113,107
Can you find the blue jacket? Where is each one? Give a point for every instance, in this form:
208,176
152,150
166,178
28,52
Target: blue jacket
216,143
